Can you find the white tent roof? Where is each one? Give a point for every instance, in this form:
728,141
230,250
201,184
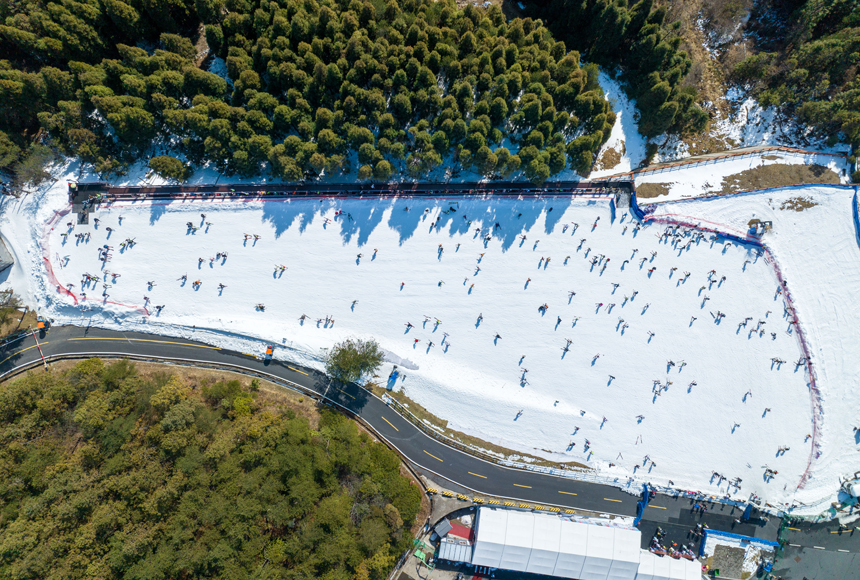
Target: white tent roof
646,566
490,540
571,551
546,544
625,555
519,538
653,567
598,554
545,547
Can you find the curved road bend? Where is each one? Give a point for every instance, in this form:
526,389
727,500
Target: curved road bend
422,450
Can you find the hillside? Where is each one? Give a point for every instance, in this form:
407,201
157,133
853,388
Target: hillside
106,472
378,89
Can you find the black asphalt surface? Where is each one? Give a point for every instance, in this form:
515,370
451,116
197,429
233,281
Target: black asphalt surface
423,451
429,456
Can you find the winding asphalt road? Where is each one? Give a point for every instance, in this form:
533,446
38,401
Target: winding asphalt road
426,454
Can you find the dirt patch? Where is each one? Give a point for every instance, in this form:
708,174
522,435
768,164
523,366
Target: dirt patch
777,175
649,190
18,321
610,158
798,204
425,415
772,157
201,46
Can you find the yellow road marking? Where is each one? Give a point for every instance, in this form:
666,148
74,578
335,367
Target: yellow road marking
615,500
794,529
395,428
476,475
567,493
525,486
658,507
347,394
433,456
20,351
297,370
148,340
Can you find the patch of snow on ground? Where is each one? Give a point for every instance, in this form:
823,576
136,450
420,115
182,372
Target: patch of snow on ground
706,177
625,136
700,384
751,124
218,66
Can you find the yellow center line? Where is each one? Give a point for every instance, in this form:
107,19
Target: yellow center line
657,507
347,394
525,486
433,456
395,428
476,475
794,529
20,351
567,493
148,340
297,370
615,500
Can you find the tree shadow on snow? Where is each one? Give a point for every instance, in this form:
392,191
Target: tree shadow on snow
156,210
281,214
365,217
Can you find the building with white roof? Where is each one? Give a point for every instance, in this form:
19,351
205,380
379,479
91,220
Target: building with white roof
560,546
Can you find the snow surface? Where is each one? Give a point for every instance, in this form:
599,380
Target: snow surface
473,381
817,251
625,137
706,177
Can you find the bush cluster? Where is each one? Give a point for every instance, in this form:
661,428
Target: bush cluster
109,474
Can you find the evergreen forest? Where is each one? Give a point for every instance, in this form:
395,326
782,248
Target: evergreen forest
107,473
804,58
312,86
808,60
636,41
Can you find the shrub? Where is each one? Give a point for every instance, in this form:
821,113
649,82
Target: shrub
353,359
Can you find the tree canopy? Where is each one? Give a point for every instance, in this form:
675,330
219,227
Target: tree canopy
311,86
810,66
354,358
105,473
635,40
